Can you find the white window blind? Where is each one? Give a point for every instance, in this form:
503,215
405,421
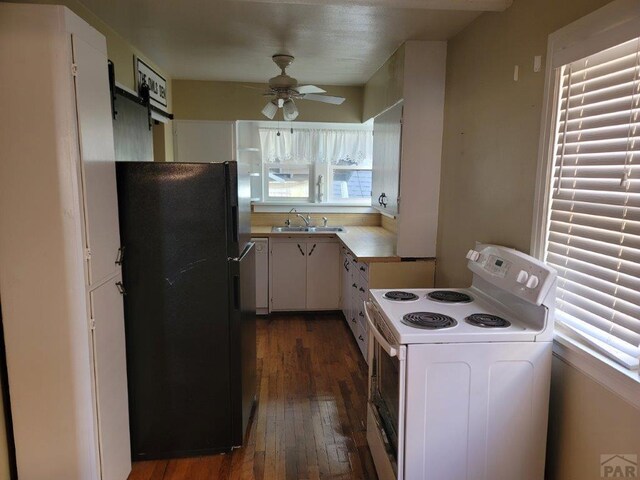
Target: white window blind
594,223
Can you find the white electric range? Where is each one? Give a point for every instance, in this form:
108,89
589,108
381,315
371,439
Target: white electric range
459,378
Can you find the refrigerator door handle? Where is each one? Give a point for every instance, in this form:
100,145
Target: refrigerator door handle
244,253
235,280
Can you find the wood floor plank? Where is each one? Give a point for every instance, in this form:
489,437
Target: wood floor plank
310,419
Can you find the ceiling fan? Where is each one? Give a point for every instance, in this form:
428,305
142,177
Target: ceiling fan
284,89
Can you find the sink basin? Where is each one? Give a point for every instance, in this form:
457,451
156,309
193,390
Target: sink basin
326,229
307,229
289,229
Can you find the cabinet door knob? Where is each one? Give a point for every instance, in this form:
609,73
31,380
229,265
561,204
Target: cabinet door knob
361,289
354,285
120,288
312,249
300,248
120,256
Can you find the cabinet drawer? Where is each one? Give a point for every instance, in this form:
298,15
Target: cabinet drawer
362,285
360,311
363,269
362,338
352,320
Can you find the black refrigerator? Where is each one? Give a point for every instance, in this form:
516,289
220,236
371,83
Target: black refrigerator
189,277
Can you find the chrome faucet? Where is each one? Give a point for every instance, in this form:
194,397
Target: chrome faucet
287,222
324,221
307,219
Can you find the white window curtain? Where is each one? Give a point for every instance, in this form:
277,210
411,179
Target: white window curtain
317,146
594,224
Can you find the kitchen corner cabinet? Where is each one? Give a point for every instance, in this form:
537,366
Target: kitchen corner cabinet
304,274
60,279
358,277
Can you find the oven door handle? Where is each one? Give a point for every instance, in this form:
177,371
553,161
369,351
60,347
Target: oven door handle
391,351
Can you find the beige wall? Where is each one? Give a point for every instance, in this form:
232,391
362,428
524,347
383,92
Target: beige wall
585,421
121,53
208,100
492,129
487,189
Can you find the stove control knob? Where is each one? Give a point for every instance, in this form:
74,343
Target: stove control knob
533,282
473,255
522,277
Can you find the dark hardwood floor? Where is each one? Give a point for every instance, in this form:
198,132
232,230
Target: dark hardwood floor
311,414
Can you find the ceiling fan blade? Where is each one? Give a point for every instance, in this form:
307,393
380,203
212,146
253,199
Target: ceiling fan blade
323,98
309,89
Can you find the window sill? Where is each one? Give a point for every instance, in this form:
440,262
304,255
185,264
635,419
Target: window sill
617,379
284,207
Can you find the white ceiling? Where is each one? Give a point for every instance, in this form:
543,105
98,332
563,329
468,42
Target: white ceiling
335,42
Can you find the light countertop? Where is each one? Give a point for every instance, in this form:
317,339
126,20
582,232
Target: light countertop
368,244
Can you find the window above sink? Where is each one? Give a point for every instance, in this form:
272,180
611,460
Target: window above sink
307,163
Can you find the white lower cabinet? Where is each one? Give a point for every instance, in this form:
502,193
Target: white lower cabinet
288,274
110,364
262,275
304,274
323,276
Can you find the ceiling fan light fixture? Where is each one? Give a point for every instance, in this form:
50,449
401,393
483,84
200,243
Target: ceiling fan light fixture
289,110
270,110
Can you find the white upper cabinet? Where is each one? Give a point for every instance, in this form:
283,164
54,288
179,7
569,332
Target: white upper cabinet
387,139
407,142
95,132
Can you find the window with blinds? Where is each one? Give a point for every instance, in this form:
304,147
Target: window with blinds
594,220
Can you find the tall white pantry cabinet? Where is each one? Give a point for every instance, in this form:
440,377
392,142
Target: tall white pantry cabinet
60,277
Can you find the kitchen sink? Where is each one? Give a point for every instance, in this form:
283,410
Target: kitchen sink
307,229
326,229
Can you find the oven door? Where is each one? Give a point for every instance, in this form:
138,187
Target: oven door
385,415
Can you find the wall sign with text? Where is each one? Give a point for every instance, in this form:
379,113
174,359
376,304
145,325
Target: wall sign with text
157,83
